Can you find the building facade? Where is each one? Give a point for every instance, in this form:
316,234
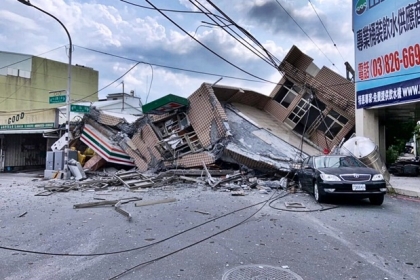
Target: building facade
31,90
313,102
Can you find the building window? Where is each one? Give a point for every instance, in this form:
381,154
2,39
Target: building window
287,93
332,125
301,108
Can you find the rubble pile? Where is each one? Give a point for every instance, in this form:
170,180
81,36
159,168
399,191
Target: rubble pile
203,139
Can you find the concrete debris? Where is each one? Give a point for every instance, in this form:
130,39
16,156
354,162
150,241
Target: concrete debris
294,205
210,139
203,130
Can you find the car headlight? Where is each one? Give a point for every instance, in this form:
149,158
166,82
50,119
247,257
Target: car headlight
329,178
377,177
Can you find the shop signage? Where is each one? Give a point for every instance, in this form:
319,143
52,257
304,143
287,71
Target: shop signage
28,119
79,108
387,51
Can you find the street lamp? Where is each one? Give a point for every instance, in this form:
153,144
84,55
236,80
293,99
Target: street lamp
67,146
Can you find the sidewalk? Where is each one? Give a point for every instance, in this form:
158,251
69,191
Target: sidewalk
409,186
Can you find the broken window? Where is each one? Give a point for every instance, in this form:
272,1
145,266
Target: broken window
332,124
174,123
177,136
299,111
287,93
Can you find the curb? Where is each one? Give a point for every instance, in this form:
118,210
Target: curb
407,192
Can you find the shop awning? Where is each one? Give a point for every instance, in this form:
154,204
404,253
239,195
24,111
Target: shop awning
104,147
165,105
27,131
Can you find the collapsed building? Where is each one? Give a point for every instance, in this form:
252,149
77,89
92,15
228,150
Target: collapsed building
210,128
307,113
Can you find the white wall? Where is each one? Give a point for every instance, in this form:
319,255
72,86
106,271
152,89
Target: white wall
23,64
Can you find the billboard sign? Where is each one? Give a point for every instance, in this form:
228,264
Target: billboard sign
387,51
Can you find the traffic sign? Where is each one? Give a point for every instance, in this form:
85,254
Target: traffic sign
57,99
79,108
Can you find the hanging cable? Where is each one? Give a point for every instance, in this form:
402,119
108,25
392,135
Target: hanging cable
325,28
195,243
270,56
213,52
135,248
243,42
306,34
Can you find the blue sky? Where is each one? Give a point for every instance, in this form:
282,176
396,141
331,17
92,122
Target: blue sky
105,32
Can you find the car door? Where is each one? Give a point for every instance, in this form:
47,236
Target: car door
303,173
308,172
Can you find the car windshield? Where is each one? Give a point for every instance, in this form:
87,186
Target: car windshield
336,161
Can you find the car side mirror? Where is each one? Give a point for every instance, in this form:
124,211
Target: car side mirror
306,167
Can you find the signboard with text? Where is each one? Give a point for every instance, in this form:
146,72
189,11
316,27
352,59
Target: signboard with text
79,108
57,99
36,119
387,51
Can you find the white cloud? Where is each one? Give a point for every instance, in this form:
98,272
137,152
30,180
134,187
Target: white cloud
118,28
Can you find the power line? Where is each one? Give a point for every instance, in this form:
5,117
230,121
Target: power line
335,45
175,68
164,10
30,57
135,248
170,10
213,52
307,34
243,41
203,239
271,57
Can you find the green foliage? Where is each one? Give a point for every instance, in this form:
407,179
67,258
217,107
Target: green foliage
398,133
392,154
417,130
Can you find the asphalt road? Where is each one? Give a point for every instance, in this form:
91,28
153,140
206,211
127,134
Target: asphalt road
352,241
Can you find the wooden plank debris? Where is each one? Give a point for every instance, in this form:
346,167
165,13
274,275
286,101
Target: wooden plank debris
202,212
194,172
153,202
231,178
23,214
95,203
192,179
106,202
133,180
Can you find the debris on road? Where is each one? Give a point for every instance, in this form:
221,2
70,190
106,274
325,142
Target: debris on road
23,214
153,202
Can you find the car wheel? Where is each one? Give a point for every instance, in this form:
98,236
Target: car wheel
377,199
318,196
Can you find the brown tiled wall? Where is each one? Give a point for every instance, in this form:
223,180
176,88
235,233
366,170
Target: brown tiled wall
278,111
336,82
325,93
140,163
277,87
318,137
192,160
146,142
250,98
108,120
249,162
204,112
298,58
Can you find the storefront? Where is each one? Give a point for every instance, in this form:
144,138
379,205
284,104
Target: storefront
25,137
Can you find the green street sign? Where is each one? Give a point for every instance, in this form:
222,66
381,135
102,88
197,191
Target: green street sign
79,108
57,99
